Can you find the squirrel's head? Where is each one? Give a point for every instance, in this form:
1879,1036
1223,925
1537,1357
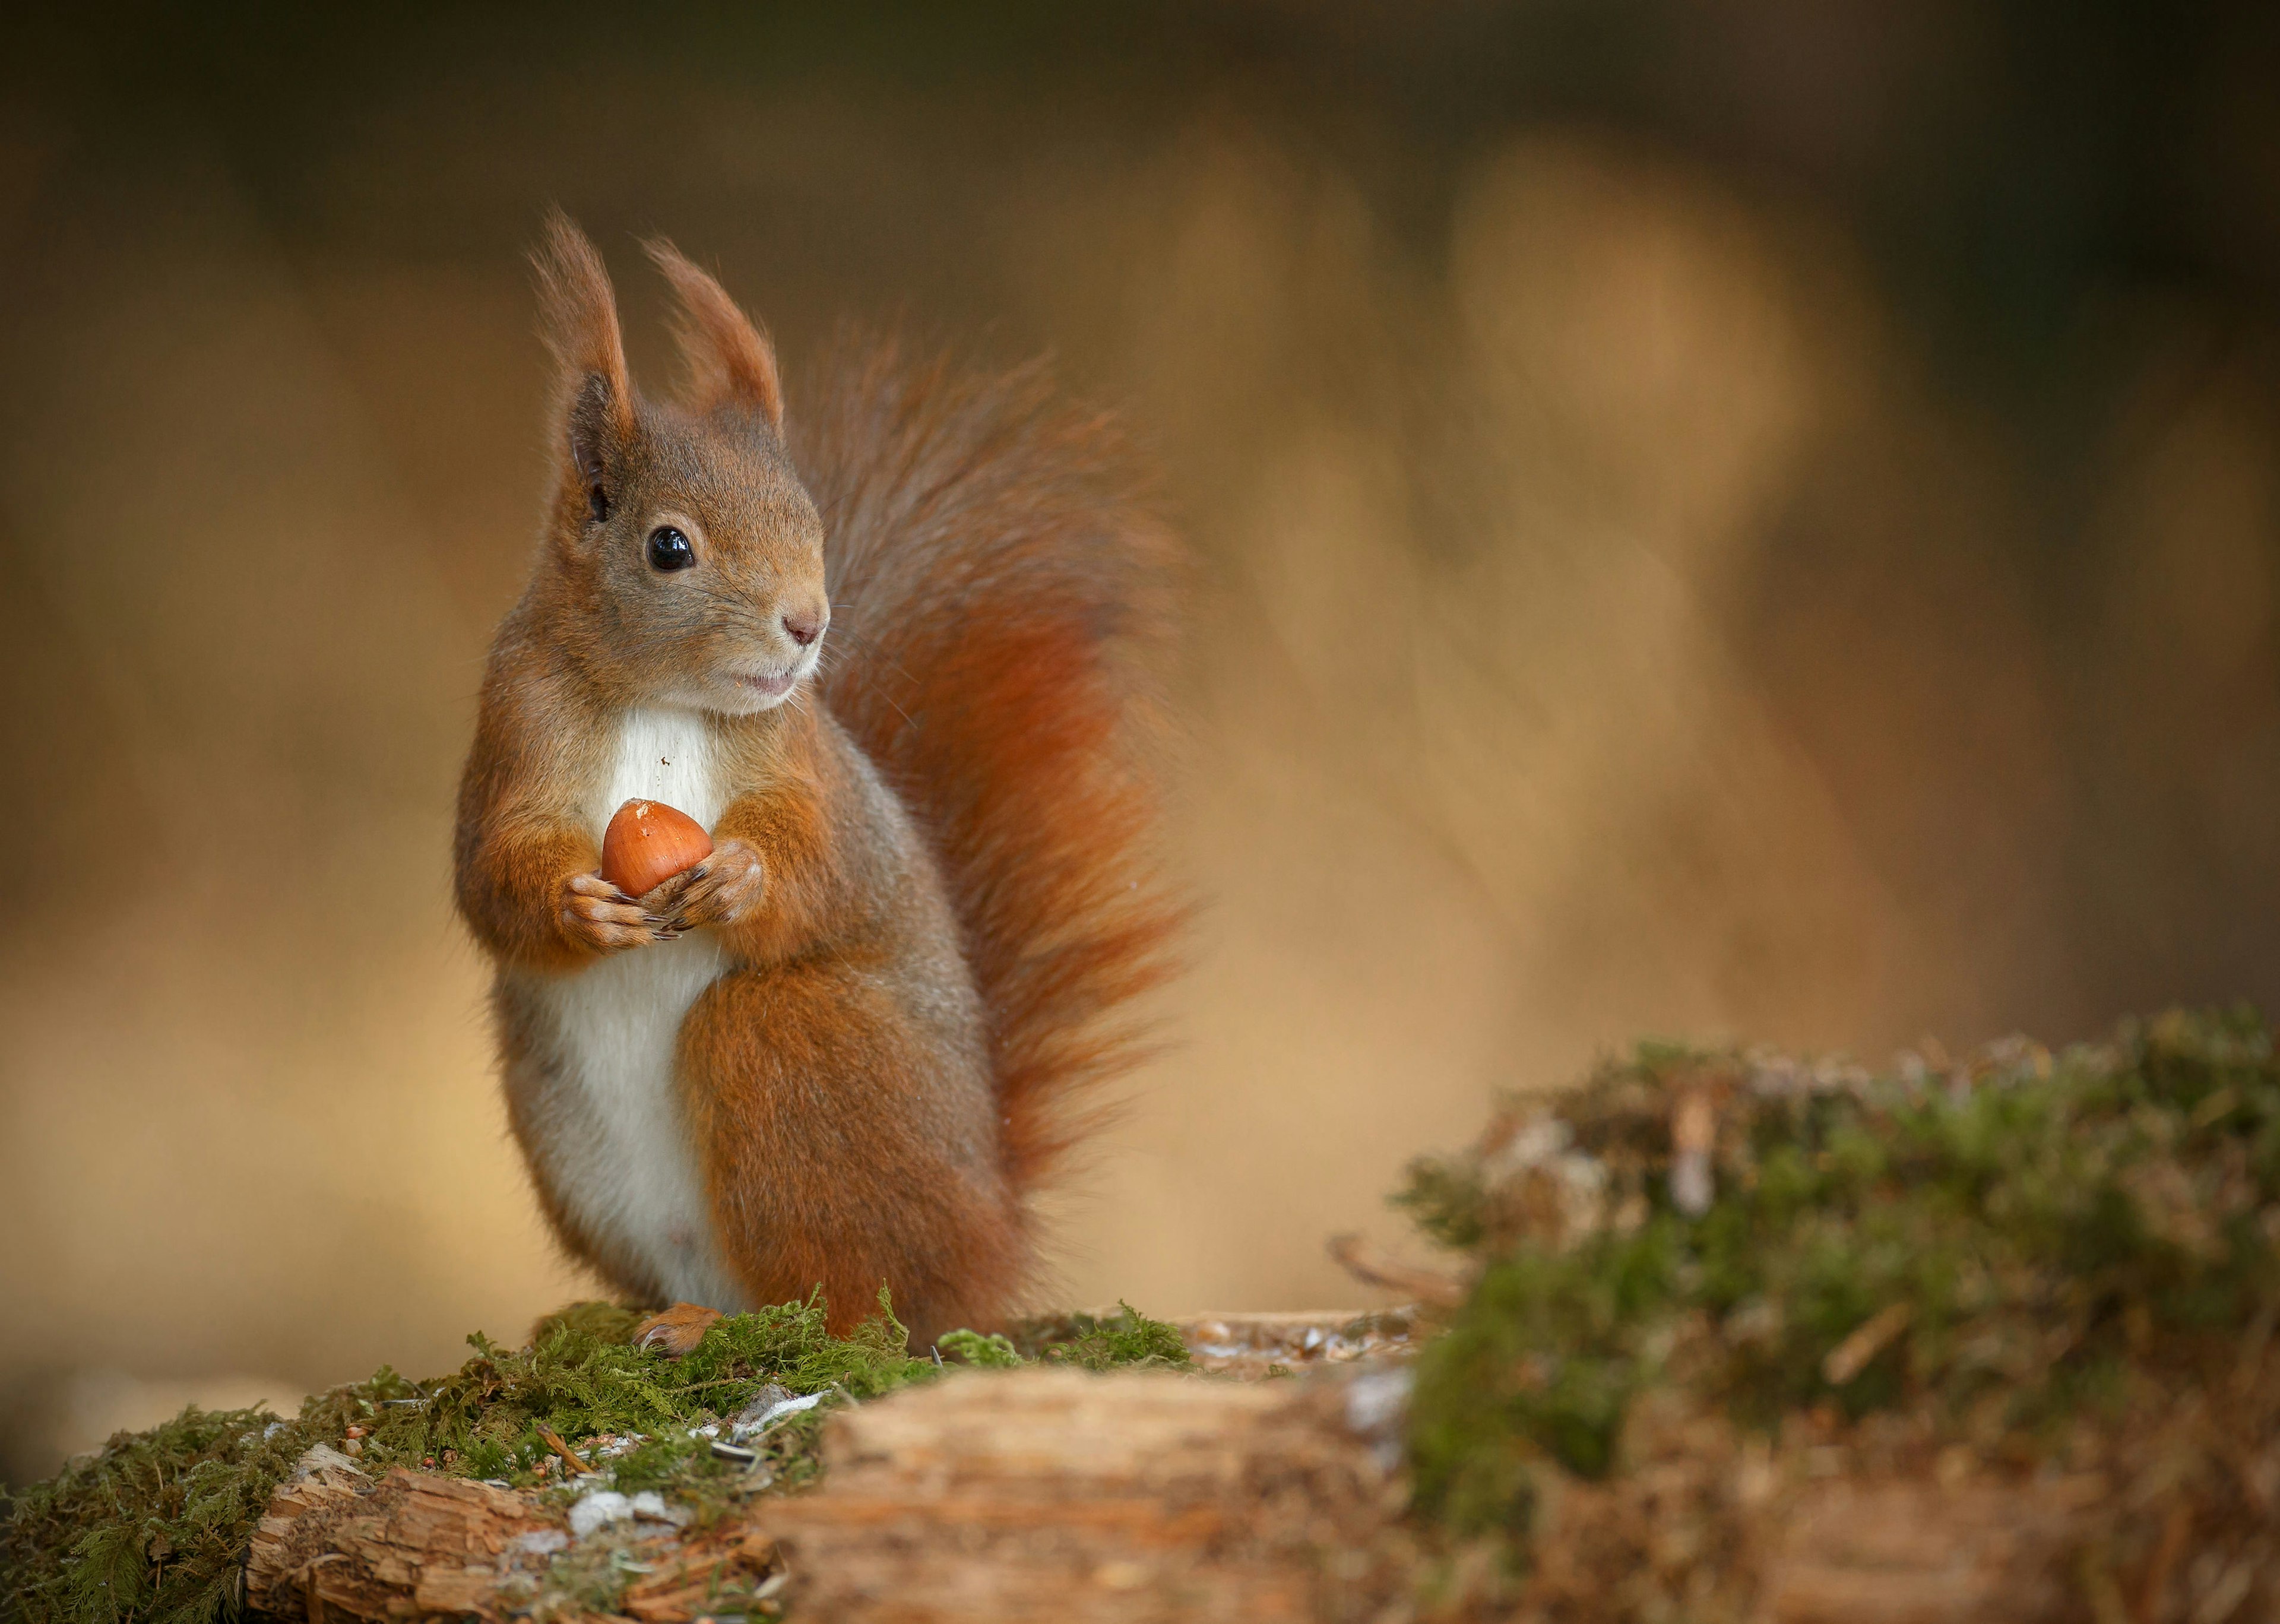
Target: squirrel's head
686,557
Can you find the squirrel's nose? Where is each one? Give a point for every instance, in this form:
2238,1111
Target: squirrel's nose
804,628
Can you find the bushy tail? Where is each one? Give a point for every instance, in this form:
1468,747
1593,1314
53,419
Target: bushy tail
1002,600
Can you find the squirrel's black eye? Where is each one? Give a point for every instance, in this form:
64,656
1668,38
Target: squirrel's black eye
598,502
669,550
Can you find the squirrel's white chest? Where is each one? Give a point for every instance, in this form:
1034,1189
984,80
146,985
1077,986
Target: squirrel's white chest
662,756
618,1152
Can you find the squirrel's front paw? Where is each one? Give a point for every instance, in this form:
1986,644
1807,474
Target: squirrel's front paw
719,890
597,915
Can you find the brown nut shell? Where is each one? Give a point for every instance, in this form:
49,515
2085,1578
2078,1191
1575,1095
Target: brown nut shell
648,843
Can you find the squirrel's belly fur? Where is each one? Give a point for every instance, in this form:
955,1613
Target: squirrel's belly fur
599,1079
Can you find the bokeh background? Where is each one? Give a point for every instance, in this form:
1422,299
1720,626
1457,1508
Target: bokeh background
1752,518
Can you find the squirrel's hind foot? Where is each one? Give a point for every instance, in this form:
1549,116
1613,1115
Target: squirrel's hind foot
677,1331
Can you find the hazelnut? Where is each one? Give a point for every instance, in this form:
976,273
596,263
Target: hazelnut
648,843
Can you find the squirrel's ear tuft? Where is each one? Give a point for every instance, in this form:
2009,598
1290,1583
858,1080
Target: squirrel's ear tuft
729,357
578,314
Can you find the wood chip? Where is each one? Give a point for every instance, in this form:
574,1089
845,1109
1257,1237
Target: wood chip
553,1441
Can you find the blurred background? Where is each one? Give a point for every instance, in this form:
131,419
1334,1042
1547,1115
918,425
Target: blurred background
1749,517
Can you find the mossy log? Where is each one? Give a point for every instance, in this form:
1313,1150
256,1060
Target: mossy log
1754,1337
1029,1494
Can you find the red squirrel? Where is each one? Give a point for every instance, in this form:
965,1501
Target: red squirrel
894,652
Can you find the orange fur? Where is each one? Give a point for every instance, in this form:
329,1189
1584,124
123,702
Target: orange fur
1012,598
728,357
930,892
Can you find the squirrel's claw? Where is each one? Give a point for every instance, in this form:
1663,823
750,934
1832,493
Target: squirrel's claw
662,900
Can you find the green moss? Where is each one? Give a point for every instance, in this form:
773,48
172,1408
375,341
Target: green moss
991,1352
1123,1340
154,1527
2041,1231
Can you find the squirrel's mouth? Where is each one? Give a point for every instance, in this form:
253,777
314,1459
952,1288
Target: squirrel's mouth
773,685
770,688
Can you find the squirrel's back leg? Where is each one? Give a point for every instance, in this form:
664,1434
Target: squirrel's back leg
835,1155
